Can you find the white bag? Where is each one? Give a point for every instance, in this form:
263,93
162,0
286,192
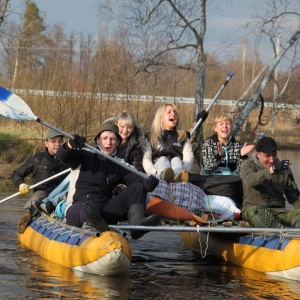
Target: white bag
221,207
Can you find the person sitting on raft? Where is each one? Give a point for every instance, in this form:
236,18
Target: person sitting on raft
42,165
92,199
268,182
167,148
221,153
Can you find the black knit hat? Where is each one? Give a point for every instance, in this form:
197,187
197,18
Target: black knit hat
109,126
266,145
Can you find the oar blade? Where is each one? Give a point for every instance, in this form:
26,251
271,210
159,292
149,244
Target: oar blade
12,106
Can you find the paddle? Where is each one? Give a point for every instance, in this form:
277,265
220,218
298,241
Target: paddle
220,229
37,184
212,102
12,106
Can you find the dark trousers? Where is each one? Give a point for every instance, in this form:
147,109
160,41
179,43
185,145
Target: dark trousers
37,195
114,210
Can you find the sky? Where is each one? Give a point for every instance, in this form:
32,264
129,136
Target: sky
225,18
81,15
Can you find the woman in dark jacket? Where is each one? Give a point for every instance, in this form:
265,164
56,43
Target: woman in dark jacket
132,139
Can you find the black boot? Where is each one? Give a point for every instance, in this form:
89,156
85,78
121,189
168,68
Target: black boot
93,216
135,216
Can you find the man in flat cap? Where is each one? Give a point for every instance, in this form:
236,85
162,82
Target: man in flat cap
267,183
41,166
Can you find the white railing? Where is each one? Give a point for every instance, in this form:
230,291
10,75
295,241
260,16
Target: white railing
144,98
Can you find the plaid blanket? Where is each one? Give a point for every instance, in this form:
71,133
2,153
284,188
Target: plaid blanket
183,194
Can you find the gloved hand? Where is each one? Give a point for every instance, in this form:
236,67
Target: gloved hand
151,183
78,141
23,188
203,115
280,165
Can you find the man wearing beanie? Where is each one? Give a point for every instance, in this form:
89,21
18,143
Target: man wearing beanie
93,179
267,183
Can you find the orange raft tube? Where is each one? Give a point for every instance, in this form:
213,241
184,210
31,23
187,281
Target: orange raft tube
88,251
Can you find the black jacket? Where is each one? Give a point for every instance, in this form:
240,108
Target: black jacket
41,165
131,151
97,176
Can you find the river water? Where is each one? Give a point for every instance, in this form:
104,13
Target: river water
161,269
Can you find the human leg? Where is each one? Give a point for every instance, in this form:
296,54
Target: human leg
75,214
117,207
136,217
29,211
290,218
24,220
164,169
260,217
180,174
161,164
176,165
93,216
130,203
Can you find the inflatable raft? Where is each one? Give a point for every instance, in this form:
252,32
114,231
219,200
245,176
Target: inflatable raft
268,250
273,254
83,250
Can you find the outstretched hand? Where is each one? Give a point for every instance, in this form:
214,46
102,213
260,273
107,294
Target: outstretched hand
78,141
246,149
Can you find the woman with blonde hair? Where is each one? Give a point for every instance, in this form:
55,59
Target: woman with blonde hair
221,152
167,148
130,149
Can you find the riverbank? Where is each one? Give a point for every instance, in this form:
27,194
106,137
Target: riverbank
20,139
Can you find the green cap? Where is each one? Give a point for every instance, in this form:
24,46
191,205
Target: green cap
51,134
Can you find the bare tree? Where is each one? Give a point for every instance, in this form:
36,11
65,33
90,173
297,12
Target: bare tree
30,36
158,27
3,10
280,17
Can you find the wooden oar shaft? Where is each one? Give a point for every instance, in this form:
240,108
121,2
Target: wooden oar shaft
37,184
220,229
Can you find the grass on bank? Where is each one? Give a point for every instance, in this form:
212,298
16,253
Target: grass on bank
21,139
13,152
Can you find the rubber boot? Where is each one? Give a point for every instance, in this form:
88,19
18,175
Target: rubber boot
136,217
24,220
167,175
47,207
182,176
93,216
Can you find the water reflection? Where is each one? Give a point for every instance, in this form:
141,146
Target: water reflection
58,281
